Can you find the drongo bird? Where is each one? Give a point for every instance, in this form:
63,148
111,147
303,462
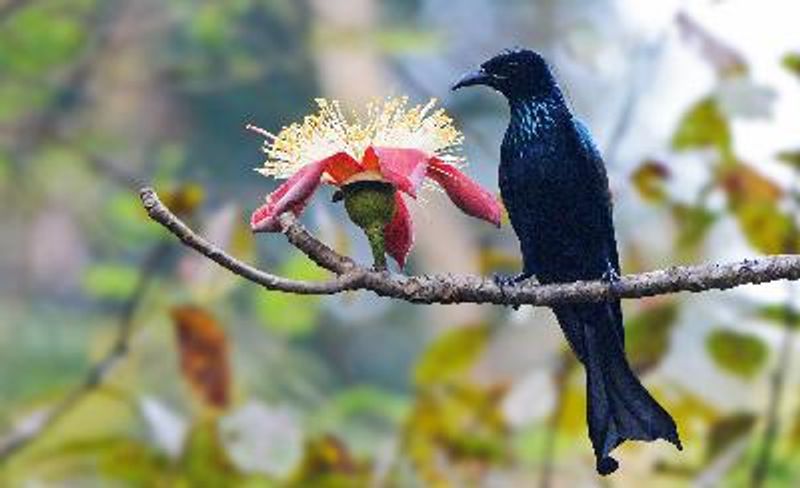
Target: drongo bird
553,183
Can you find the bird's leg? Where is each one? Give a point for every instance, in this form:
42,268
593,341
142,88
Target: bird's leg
502,281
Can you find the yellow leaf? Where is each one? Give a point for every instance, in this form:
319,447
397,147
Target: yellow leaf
754,200
704,126
726,431
184,200
328,463
451,355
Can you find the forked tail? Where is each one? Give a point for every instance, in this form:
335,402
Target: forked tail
619,407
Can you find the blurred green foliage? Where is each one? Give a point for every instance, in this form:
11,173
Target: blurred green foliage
740,354
99,97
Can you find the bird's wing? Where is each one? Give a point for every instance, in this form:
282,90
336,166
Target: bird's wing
598,167
598,170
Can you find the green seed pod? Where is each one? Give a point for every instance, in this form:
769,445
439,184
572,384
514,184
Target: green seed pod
371,206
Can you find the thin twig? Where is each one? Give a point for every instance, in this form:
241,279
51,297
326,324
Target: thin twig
324,256
447,289
565,367
777,386
42,421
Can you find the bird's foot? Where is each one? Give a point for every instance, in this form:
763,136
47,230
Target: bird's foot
503,281
611,277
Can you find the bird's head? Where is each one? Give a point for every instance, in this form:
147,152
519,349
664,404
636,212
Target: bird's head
516,73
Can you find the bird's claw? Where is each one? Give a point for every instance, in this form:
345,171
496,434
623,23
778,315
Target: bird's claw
503,281
610,276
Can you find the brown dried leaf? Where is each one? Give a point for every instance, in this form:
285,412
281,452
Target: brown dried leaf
203,350
743,184
754,200
649,179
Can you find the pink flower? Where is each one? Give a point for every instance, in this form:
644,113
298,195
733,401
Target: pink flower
396,145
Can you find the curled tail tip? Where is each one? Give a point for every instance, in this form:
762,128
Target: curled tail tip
606,465
673,438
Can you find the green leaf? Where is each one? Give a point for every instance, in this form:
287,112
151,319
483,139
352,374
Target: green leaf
780,314
124,222
404,41
211,24
794,433
704,126
693,225
742,355
110,281
364,414
204,461
365,400
5,167
791,157
115,457
451,355
38,39
792,62
726,431
292,315
647,335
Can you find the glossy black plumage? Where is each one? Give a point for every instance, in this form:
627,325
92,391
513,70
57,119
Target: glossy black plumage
553,183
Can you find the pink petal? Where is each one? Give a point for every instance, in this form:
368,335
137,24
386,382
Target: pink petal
404,168
470,197
399,233
293,194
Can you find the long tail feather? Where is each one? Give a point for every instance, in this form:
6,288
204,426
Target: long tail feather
619,407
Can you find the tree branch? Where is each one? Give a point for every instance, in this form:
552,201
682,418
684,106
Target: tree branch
448,289
323,255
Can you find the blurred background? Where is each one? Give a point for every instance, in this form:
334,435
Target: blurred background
127,360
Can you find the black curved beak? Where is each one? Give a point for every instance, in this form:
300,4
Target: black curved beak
478,77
